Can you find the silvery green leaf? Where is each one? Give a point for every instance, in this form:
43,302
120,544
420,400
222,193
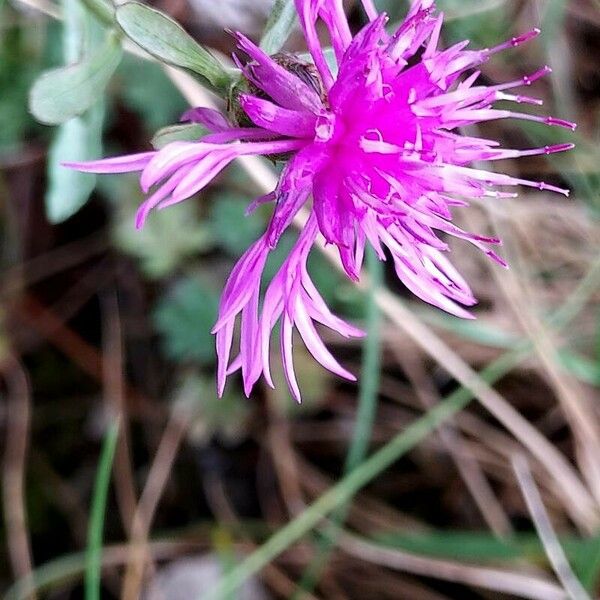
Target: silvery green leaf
80,138
166,40
61,94
280,25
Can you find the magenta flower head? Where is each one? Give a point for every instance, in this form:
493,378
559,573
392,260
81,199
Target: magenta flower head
376,141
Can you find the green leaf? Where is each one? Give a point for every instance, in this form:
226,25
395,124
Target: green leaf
93,570
61,94
184,318
464,545
188,132
80,138
166,40
279,26
77,140
396,9
583,368
19,65
483,333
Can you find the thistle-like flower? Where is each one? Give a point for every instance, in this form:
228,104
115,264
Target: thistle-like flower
376,142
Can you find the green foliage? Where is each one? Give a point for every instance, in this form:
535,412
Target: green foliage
21,48
146,89
80,138
63,93
233,230
166,40
184,317
93,569
583,368
482,546
485,23
280,25
396,9
169,237
187,132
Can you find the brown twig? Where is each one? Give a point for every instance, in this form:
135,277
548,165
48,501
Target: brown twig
546,533
466,464
33,313
52,262
507,582
158,475
284,458
225,513
114,397
15,458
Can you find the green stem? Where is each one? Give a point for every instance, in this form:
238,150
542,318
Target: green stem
93,567
371,371
102,10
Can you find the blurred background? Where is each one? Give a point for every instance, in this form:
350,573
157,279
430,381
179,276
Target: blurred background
99,321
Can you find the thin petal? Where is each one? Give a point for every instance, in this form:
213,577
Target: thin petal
117,164
212,119
280,120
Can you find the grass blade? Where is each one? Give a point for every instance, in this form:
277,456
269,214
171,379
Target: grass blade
93,567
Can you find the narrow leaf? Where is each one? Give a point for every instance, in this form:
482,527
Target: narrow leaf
78,139
96,526
165,39
280,25
67,92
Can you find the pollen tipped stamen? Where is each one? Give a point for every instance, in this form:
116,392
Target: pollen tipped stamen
527,80
547,150
514,42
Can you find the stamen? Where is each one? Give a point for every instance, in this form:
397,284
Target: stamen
514,42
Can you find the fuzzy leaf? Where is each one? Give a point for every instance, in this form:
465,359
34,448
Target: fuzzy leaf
61,94
166,40
78,139
280,25
184,318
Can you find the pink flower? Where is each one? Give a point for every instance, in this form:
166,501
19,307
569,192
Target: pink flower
377,143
